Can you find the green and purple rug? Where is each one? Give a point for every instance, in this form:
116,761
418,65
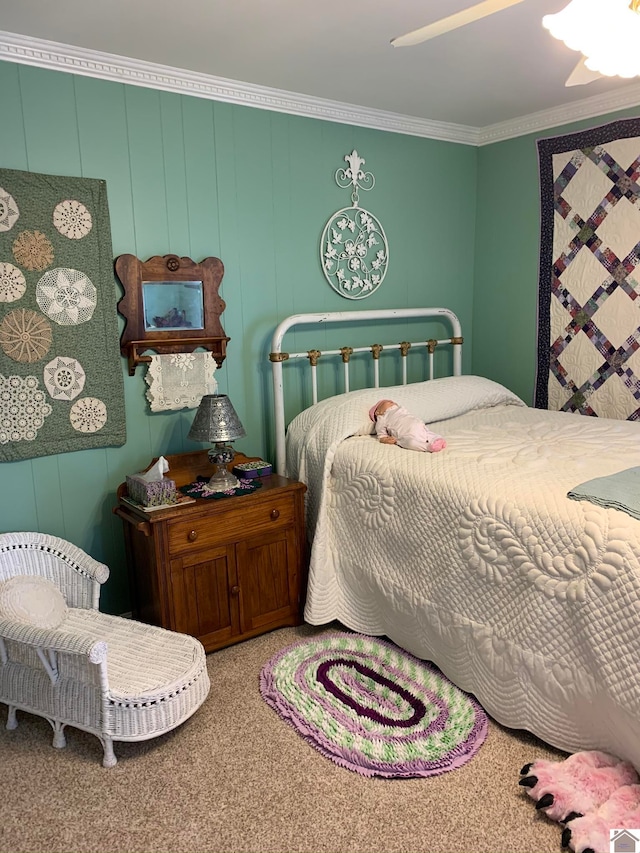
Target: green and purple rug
372,707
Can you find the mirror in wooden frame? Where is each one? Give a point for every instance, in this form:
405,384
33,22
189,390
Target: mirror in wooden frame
170,304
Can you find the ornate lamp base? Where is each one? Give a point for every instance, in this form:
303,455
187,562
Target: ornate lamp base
222,479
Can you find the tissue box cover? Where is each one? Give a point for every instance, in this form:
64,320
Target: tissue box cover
152,494
249,470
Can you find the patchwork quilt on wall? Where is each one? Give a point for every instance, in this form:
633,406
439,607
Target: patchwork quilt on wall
589,287
61,383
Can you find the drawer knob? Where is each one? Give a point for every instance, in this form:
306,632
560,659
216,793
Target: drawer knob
235,590
275,513
192,535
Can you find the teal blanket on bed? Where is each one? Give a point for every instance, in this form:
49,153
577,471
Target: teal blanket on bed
616,491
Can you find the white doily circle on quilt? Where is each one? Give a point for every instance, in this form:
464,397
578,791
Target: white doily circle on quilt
67,296
64,378
354,252
23,408
72,219
25,335
12,283
9,212
88,415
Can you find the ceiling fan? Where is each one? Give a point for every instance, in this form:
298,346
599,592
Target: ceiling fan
579,76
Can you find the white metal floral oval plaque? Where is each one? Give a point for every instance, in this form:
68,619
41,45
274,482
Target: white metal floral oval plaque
354,252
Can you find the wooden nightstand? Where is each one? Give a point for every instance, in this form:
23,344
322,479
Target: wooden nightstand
221,569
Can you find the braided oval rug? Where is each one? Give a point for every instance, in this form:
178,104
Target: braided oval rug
372,707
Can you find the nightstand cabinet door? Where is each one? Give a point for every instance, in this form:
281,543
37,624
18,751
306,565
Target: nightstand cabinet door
268,580
204,596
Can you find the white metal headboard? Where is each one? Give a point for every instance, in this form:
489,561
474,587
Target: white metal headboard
278,356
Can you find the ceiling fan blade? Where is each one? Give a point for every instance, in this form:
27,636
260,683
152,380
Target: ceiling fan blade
582,75
459,19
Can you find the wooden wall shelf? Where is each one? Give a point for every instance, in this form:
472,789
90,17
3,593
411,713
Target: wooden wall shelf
188,295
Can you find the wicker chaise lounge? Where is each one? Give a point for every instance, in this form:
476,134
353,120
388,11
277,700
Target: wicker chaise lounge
63,659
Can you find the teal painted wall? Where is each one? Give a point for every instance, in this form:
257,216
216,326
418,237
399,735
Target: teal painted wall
506,257
196,177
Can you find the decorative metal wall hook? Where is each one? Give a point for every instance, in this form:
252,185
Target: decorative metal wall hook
354,252
355,176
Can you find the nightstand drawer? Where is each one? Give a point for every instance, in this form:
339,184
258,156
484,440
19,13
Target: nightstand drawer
239,521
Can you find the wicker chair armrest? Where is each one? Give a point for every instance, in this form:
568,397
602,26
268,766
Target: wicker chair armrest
93,568
75,557
77,574
55,639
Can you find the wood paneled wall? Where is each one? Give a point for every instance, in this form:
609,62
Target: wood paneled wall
255,188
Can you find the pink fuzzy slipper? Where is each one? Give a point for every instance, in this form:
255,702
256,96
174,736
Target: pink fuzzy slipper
590,833
592,792
577,785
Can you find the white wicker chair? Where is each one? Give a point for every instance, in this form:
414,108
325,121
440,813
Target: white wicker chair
119,679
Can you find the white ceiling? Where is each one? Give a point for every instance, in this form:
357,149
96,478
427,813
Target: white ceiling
495,70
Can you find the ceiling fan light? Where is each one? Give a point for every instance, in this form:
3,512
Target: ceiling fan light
571,17
617,66
583,27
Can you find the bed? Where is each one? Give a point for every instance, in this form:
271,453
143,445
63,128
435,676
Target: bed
474,557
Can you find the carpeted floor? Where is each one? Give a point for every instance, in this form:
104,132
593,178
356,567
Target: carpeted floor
236,778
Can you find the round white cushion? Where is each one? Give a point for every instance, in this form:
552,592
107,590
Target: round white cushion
32,600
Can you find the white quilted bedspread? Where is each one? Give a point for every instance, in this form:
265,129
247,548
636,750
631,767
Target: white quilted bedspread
475,558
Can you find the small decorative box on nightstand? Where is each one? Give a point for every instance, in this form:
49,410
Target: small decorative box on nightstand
249,470
155,493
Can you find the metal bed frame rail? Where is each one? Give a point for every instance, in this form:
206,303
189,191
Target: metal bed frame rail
278,356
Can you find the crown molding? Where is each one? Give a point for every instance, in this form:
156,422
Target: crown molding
586,108
55,56
107,66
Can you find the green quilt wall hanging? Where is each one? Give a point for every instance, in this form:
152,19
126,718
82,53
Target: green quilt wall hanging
61,384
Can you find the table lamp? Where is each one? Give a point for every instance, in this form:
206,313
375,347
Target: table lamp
216,421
